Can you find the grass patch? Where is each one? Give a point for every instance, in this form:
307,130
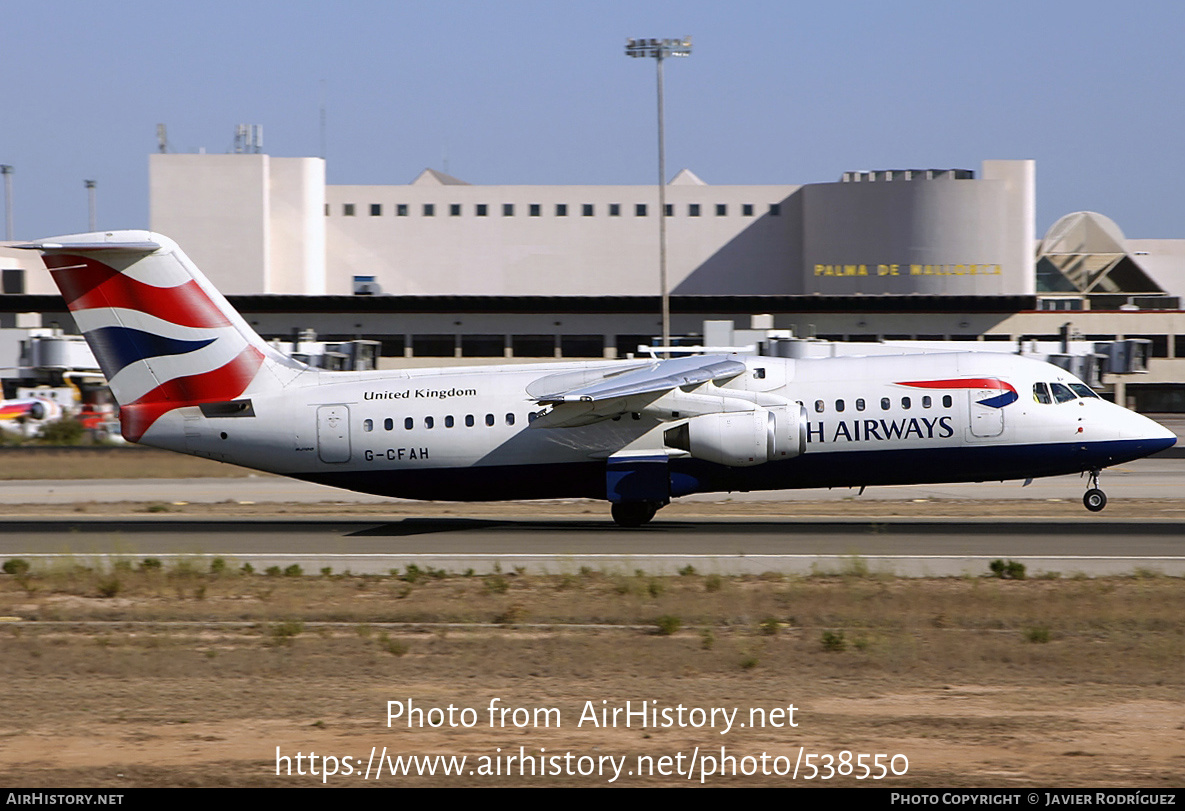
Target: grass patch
667,624
833,641
16,566
1007,570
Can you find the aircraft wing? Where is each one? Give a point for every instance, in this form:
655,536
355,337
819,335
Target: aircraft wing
654,378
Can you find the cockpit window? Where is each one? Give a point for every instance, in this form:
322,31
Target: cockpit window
1041,393
1084,391
1061,393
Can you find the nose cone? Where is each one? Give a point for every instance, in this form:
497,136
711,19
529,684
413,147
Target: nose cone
1150,436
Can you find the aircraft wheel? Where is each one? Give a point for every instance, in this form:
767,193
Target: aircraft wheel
1094,500
633,513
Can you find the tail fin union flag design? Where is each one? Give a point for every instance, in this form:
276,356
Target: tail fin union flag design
1006,396
161,345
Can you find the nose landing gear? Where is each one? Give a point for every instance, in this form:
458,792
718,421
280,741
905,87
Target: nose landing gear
1094,498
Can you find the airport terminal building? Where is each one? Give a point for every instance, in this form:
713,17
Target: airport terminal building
441,268
272,225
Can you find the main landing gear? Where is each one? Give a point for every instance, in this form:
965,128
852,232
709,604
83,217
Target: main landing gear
1094,499
634,513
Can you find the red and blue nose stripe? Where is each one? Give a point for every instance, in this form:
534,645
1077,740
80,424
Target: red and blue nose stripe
1006,396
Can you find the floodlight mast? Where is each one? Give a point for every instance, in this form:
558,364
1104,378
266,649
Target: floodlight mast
660,49
6,170
90,186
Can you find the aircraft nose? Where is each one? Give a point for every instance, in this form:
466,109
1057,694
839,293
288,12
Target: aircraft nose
1155,436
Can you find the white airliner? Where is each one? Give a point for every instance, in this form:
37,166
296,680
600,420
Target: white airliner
190,375
38,409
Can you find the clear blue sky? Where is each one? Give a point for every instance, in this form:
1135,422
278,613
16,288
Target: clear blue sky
518,91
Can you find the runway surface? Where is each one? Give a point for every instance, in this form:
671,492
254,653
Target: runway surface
1156,477
734,546
1087,544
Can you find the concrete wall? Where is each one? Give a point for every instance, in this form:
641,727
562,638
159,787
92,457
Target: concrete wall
940,236
252,223
550,254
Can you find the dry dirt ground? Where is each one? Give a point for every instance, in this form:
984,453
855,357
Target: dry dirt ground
158,678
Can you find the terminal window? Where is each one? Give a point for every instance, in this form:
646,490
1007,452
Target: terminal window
747,210
721,210
775,209
454,209
561,209
401,210
433,346
508,209
482,346
628,344
376,209
640,210
535,210
13,280
582,346
586,210
1159,347
615,209
429,209
669,210
693,210
391,346
482,209
348,210
533,346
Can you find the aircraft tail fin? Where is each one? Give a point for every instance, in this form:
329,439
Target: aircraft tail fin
162,334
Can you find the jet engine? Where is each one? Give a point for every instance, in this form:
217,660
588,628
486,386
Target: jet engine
742,438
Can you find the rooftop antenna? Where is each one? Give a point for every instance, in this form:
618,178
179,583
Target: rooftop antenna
248,139
162,139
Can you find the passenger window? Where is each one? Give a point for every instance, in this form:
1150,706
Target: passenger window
408,423
839,406
859,403
946,401
468,420
448,421
819,406
906,402
388,424
489,419
531,417
1062,394
1041,393
926,401
884,404
368,425
510,419
429,422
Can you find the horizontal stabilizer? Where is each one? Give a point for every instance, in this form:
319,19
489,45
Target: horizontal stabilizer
76,247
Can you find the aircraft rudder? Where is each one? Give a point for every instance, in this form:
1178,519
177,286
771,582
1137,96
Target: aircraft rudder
160,331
